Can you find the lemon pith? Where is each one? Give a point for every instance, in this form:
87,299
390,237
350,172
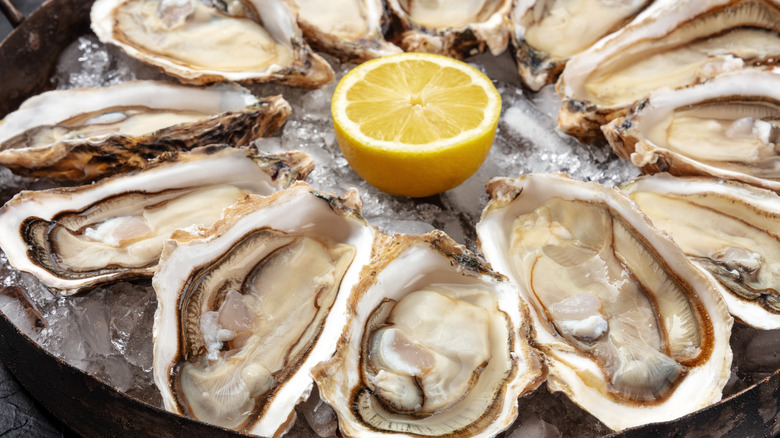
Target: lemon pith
415,124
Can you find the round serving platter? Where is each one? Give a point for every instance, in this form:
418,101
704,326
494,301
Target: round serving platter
93,408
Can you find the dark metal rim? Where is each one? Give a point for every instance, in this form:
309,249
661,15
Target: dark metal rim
11,12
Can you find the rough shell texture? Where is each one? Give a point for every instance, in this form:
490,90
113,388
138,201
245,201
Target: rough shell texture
670,44
231,115
111,228
477,26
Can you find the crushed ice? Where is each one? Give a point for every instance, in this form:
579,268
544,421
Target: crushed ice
106,332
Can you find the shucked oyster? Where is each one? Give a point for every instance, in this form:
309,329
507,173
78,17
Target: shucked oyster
84,134
675,44
727,127
200,42
631,330
436,345
730,229
454,28
248,306
545,33
349,29
75,238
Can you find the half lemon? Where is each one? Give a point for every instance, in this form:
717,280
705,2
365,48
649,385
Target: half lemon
415,124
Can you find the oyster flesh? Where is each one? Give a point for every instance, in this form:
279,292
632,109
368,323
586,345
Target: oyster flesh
247,307
84,134
458,29
76,238
631,330
436,344
349,29
201,42
727,127
546,33
673,44
730,229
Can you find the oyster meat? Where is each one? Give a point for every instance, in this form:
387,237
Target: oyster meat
727,127
349,29
730,229
85,134
673,44
631,330
436,344
546,33
76,238
200,42
453,28
247,307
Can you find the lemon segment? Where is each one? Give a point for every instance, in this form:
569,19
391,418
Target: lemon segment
415,124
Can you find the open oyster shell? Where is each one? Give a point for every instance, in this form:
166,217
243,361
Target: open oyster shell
436,344
84,134
546,33
458,29
201,42
76,238
247,307
630,329
727,127
730,229
672,44
349,29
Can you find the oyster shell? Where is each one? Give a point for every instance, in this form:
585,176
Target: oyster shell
248,306
729,229
546,33
727,127
200,42
453,28
631,330
349,29
436,345
76,238
675,45
84,134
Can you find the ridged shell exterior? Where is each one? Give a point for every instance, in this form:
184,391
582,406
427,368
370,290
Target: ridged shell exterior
210,165
240,118
583,118
491,33
348,46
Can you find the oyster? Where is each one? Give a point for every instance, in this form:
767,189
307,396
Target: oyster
454,28
727,127
248,306
436,345
349,29
200,42
730,229
673,45
546,33
76,238
631,330
84,134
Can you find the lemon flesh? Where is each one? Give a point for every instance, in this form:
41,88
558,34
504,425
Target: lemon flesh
415,124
